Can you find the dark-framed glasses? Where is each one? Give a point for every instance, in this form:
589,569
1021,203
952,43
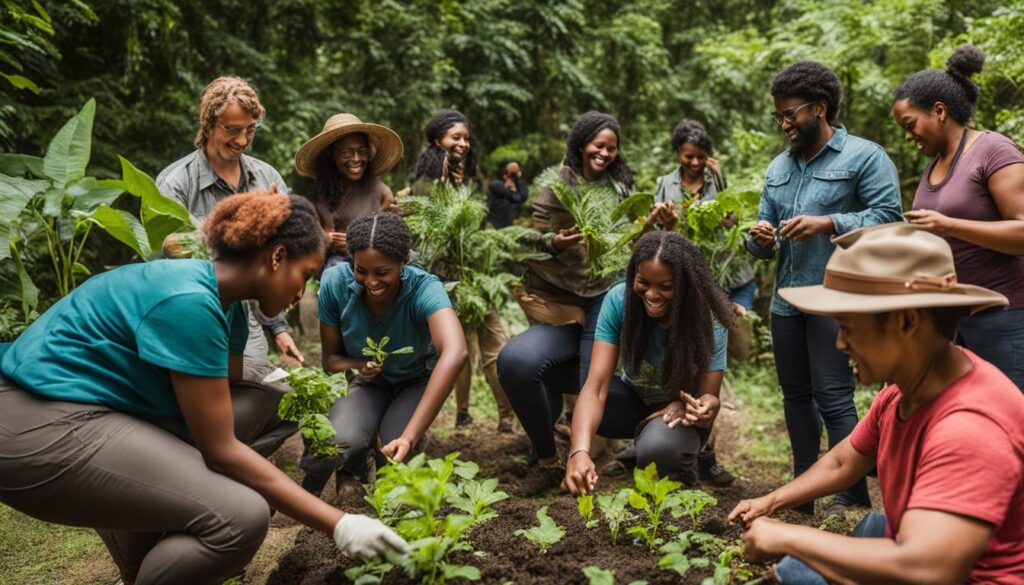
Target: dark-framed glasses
789,114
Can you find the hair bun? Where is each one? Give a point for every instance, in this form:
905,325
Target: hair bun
245,222
965,61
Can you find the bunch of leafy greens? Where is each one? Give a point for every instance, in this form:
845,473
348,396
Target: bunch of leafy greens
544,535
607,224
432,504
653,496
449,236
375,350
721,239
314,392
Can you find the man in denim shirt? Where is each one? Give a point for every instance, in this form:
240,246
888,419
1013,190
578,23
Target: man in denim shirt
828,182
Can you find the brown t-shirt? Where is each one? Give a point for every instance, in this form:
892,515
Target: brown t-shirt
964,194
366,196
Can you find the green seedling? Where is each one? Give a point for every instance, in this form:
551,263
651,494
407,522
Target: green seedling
585,505
615,510
653,496
375,350
692,503
675,558
723,571
313,394
599,576
546,534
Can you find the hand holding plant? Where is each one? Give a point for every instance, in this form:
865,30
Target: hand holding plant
375,350
397,450
580,474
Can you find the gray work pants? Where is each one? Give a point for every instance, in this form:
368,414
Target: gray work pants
163,514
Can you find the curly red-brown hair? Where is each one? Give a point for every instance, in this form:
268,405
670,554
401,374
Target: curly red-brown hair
242,224
217,96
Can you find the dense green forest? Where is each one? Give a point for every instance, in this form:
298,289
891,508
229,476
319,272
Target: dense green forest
522,71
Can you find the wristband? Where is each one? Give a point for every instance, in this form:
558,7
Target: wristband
577,451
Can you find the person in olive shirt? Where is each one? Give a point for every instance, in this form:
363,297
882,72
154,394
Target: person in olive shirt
229,114
116,416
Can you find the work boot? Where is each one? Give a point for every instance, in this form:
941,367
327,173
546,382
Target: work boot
463,419
713,473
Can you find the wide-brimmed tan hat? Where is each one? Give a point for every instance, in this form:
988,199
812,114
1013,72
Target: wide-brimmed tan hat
385,145
886,268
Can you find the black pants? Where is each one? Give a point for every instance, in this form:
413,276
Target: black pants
817,384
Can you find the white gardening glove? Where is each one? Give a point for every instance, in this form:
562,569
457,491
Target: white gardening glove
364,537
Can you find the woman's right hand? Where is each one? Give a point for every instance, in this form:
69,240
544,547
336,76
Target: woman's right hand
763,234
364,538
580,474
369,371
747,510
338,241
566,238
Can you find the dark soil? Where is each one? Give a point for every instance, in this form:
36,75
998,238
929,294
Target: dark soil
506,557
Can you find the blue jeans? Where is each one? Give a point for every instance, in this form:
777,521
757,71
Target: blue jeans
817,384
791,571
744,295
998,338
539,365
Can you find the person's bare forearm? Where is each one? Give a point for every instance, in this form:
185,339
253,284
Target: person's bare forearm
339,363
586,417
1005,236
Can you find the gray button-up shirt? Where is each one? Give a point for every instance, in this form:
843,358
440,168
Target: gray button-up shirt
193,183
851,180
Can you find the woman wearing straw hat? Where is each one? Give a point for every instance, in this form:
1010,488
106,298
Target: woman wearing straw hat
346,160
946,434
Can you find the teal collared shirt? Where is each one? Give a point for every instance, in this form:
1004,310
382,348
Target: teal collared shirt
851,180
341,304
192,181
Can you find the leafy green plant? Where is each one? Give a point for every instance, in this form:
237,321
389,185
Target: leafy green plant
544,535
653,496
721,243
722,574
313,393
674,557
599,576
411,496
585,505
375,350
615,509
692,503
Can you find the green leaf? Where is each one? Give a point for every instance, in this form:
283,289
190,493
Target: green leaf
638,501
88,194
402,351
68,154
634,206
19,165
21,82
29,292
53,202
546,534
124,227
585,506
161,215
461,572
15,195
599,576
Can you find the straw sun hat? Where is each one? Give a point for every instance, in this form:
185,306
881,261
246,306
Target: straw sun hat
886,268
385,145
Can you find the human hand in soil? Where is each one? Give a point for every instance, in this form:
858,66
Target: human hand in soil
364,538
672,413
566,238
763,234
749,510
762,539
805,227
338,241
397,449
932,221
580,474
369,371
700,412
286,345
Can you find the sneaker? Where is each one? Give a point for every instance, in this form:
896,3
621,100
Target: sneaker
463,419
715,475
836,507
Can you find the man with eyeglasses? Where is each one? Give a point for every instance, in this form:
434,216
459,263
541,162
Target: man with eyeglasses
827,183
229,114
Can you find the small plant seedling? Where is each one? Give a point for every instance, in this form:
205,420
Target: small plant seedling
653,496
723,571
692,503
674,555
615,510
375,350
545,535
585,505
313,394
599,576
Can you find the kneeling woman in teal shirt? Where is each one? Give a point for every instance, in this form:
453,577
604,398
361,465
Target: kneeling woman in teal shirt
118,409
668,319
379,297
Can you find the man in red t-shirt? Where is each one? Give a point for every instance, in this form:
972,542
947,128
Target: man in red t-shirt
947,435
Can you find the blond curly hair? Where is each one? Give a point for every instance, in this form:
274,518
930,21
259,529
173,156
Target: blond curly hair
217,96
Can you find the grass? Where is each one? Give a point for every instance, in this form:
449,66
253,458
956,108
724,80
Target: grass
33,552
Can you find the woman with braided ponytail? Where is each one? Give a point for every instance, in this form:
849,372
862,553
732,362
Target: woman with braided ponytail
378,297
668,319
972,194
122,409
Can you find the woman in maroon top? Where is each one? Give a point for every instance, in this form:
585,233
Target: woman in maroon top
972,194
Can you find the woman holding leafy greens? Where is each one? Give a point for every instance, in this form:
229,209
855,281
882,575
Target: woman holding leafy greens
562,298
115,416
666,318
375,305
450,159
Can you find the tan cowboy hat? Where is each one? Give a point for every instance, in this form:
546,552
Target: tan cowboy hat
886,268
385,145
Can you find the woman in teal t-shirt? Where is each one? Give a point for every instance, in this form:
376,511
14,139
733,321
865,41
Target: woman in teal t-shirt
94,393
672,359
379,297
